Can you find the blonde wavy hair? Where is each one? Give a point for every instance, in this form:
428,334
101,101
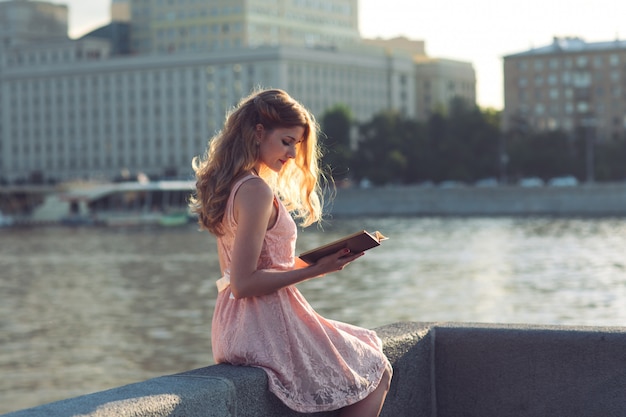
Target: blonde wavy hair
233,152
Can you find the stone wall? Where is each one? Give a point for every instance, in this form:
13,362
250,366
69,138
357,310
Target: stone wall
440,370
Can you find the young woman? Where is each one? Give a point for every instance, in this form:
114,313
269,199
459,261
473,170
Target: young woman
261,169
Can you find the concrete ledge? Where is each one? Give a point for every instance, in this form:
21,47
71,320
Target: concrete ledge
176,395
489,370
440,370
250,388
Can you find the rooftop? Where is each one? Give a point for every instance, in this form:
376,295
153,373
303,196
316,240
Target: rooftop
571,45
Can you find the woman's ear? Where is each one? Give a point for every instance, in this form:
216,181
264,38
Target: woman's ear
258,130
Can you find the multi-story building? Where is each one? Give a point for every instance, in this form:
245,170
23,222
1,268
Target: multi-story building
23,21
571,85
120,11
88,108
417,48
117,33
165,27
94,116
438,81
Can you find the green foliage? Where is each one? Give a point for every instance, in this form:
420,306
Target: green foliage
546,155
336,125
610,161
465,144
386,147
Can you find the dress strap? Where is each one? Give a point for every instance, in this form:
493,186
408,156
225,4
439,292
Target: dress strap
231,197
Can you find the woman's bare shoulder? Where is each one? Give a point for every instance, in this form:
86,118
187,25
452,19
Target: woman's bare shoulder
255,191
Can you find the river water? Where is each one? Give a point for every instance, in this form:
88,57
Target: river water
86,309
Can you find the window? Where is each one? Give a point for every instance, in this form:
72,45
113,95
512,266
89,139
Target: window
554,93
522,65
582,107
598,62
553,79
617,92
582,79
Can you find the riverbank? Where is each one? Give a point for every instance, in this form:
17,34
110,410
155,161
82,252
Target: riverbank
49,205
583,200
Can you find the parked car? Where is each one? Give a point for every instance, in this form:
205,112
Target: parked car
5,221
451,184
486,182
531,182
567,181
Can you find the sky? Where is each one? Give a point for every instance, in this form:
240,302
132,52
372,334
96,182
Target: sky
476,31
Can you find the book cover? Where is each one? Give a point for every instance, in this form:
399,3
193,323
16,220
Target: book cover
357,242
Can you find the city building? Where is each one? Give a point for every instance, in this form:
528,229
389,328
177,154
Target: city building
24,21
120,11
93,108
570,85
117,33
416,48
97,116
167,27
42,57
438,81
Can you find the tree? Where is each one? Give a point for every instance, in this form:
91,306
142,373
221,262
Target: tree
380,156
611,160
336,124
546,155
412,141
464,144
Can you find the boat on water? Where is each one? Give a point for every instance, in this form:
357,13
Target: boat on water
6,221
139,203
175,219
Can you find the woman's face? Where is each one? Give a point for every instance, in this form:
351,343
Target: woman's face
278,146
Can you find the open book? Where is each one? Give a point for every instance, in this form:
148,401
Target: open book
357,242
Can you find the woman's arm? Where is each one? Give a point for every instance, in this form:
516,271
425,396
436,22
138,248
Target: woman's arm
254,211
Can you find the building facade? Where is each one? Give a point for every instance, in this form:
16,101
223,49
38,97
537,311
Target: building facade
166,27
569,85
95,116
24,21
438,81
117,33
92,108
120,11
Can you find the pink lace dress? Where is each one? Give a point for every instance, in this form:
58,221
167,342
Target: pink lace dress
313,364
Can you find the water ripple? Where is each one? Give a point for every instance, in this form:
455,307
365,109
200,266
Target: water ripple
89,309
